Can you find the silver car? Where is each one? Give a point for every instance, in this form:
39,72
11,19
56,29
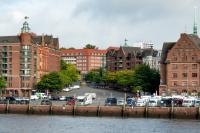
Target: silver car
197,103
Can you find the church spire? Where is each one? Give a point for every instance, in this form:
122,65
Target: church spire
125,42
25,28
195,23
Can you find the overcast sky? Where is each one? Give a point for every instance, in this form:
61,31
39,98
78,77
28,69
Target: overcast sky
101,22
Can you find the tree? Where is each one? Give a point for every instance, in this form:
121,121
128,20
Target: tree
68,73
147,78
89,46
2,83
63,65
71,48
125,78
51,82
62,48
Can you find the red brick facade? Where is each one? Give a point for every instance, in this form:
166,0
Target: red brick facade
25,59
85,59
180,66
123,58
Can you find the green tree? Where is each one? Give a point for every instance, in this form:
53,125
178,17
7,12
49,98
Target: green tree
111,77
62,48
89,46
71,48
2,83
147,78
125,78
51,82
68,73
136,89
63,65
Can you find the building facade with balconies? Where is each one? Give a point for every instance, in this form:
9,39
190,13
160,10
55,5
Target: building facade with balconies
25,58
180,66
123,58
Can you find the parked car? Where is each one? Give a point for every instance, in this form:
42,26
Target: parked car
188,102
46,102
121,102
54,97
92,94
131,101
75,87
34,97
111,101
41,95
177,102
84,100
141,102
24,100
197,103
166,102
12,100
153,102
70,100
62,98
67,89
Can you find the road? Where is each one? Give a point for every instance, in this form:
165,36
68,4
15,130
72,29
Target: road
101,95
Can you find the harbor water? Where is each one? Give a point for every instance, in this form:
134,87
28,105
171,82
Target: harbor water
14,123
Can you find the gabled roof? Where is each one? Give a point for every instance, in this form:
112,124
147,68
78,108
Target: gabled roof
195,39
166,47
35,39
127,49
10,39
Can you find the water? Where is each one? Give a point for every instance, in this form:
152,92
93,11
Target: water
66,124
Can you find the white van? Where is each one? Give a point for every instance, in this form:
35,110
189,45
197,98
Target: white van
93,95
84,100
188,102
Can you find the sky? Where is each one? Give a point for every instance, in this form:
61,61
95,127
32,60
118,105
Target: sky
102,23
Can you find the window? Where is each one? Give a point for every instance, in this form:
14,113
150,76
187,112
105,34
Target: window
194,66
174,58
175,83
185,66
26,47
174,75
194,58
194,83
194,75
184,83
184,75
175,66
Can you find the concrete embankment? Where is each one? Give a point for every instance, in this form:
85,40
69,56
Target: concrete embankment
147,112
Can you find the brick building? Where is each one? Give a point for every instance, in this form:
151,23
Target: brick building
85,59
180,66
25,58
126,57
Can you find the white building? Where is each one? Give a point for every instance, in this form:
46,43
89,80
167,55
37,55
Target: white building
153,59
144,45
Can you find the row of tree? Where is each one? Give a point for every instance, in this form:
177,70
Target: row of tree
56,81
87,46
141,78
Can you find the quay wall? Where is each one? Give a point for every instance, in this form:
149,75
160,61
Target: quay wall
101,111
